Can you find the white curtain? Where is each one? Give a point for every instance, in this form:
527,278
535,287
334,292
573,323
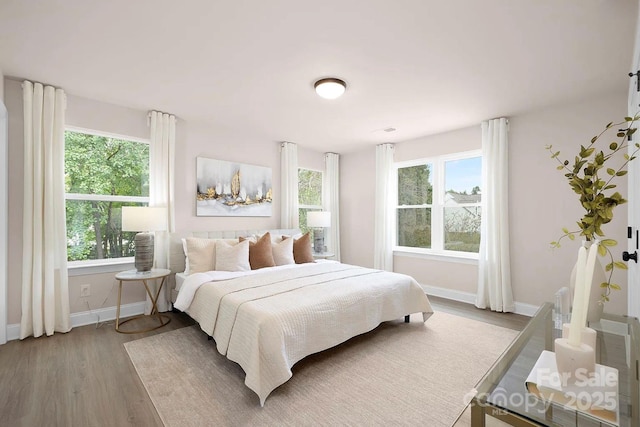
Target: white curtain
331,201
161,192
494,272
384,227
288,185
45,283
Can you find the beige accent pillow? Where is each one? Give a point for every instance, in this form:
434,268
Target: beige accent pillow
260,254
201,254
202,251
302,251
283,252
232,257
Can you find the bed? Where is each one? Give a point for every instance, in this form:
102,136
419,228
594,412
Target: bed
266,320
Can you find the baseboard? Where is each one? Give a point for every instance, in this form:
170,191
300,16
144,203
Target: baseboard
109,313
469,298
83,318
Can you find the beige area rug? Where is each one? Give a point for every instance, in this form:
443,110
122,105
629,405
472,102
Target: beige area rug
397,374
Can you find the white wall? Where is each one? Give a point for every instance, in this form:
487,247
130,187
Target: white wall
192,140
541,202
202,140
357,202
310,159
4,211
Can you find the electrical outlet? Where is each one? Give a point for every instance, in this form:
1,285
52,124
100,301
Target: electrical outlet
85,290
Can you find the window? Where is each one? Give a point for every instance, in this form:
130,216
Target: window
102,174
439,204
309,195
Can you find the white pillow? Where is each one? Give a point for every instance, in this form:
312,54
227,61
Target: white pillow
283,252
201,251
201,254
186,257
232,257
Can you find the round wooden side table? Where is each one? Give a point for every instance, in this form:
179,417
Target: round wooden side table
144,276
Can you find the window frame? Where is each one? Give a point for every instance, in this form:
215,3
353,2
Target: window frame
437,251
106,265
310,208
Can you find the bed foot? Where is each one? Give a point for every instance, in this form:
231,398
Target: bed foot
406,319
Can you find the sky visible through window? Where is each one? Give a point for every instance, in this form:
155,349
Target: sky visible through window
464,174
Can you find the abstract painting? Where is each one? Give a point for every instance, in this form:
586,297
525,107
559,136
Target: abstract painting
232,189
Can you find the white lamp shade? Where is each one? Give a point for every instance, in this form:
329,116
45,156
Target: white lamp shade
319,219
142,218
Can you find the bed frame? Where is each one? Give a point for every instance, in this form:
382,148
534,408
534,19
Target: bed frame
177,255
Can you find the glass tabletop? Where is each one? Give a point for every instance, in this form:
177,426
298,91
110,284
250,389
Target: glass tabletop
502,392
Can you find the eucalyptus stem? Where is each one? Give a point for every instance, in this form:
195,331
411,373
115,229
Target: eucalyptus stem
584,179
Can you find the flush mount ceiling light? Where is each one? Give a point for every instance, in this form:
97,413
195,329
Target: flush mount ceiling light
330,88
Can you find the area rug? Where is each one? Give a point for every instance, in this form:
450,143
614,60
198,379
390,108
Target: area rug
398,374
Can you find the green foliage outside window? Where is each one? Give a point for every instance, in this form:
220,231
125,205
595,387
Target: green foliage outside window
309,187
309,195
414,227
98,166
414,189
414,185
460,210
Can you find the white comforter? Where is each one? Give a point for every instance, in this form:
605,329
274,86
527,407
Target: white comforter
268,321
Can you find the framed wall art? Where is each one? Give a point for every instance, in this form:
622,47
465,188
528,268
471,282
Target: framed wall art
232,189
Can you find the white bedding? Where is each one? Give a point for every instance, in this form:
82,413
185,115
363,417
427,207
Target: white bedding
269,319
180,278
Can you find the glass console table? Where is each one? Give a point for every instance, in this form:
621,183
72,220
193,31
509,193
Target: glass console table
502,394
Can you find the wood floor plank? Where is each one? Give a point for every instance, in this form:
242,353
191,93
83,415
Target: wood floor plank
82,378
85,377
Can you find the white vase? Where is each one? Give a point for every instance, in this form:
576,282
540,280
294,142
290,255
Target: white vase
594,312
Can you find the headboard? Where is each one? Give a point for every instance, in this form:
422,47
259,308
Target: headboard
176,254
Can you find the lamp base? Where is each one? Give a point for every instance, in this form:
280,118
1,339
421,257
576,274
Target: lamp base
318,240
144,251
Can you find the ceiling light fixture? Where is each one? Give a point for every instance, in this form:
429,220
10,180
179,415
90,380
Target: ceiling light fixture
330,88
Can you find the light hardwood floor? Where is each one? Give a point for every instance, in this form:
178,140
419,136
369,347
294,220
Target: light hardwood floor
85,377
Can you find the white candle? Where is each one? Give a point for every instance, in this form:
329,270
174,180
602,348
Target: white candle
588,278
575,327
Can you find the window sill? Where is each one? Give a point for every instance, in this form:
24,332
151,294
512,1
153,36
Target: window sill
82,268
457,257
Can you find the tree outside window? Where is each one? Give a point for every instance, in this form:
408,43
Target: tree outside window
439,203
415,198
102,174
309,195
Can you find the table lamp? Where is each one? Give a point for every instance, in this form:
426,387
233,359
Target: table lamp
318,221
146,220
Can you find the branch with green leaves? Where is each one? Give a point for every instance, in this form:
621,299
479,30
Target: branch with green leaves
594,191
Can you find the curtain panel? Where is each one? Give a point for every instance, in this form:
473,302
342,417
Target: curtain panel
384,227
161,192
45,283
331,201
494,270
289,185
